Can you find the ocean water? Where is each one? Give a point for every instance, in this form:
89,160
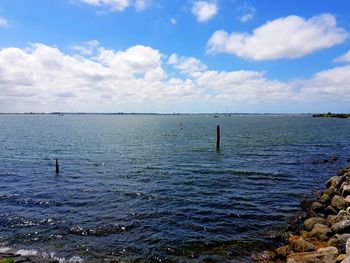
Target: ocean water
149,188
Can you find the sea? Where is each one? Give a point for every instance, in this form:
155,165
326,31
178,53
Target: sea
154,188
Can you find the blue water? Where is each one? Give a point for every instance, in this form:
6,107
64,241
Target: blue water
153,188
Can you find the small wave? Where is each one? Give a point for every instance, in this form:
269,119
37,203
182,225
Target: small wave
5,174
16,221
100,231
25,252
4,249
148,196
36,256
31,202
236,172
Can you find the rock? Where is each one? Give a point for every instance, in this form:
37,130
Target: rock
341,172
309,223
322,255
346,260
347,198
306,204
331,191
301,245
331,250
346,190
339,203
333,242
324,199
317,207
284,251
339,241
347,247
321,232
341,227
341,216
264,256
330,210
335,181
340,258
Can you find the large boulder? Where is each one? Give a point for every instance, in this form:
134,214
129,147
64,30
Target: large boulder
321,232
339,203
346,190
347,247
335,181
322,255
265,256
341,216
330,191
341,227
339,241
325,199
284,251
310,222
330,210
301,245
317,207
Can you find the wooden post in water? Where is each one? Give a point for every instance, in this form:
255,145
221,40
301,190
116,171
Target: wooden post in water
218,137
57,167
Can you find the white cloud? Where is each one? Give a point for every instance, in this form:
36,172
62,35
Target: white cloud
141,4
328,84
173,21
343,58
187,65
204,10
286,37
87,48
43,78
4,23
115,5
247,12
119,5
246,17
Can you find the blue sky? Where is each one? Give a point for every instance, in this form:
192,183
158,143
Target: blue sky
175,56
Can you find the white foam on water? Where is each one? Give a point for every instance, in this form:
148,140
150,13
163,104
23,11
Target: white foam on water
4,249
75,259
30,252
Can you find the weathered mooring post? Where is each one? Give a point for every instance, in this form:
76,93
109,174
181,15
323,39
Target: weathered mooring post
57,167
218,137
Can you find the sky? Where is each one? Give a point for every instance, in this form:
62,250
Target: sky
184,56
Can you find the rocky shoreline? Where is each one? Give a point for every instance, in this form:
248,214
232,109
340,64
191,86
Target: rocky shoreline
325,236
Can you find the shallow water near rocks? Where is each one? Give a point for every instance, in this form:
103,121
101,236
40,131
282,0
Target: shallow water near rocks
154,188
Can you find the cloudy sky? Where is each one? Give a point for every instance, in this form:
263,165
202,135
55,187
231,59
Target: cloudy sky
175,56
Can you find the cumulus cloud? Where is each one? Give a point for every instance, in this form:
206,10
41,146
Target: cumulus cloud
332,84
118,5
43,78
4,23
187,65
47,78
343,58
204,10
287,37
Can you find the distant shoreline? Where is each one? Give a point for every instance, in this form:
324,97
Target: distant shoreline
151,113
332,115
